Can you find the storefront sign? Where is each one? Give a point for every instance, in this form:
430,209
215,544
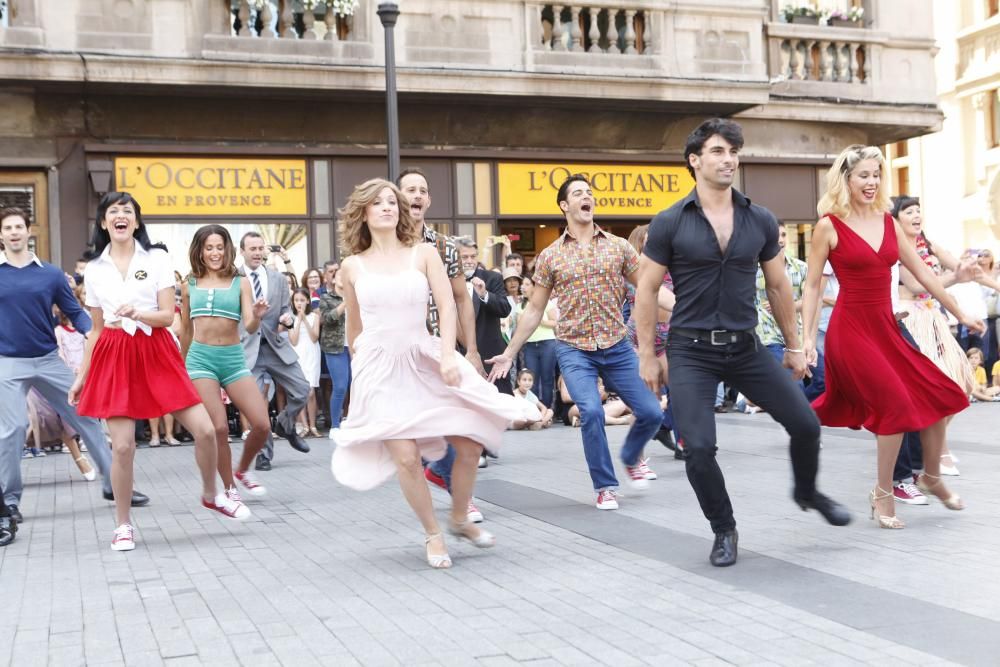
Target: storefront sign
619,190
204,187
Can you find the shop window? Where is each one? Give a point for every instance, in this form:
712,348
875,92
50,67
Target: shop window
992,8
321,187
324,243
902,185
900,149
474,188
482,233
4,11
293,237
28,191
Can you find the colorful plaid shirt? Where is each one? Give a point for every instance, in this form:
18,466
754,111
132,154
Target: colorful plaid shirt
452,265
767,327
589,284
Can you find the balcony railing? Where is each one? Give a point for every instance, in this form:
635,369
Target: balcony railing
819,55
288,19
593,29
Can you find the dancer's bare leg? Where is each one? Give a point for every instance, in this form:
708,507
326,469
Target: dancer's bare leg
888,450
122,459
211,398
932,439
248,400
406,456
196,420
463,481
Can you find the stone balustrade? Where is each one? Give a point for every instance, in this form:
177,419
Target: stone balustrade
812,59
288,19
612,28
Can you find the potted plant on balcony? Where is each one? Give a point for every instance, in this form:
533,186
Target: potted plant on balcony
848,19
341,9
801,12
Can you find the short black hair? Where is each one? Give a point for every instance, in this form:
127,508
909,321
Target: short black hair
15,212
564,188
727,129
412,170
249,235
330,262
903,202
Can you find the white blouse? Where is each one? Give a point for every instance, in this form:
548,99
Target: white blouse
148,273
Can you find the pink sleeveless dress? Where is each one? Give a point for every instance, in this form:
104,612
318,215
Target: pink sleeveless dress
397,392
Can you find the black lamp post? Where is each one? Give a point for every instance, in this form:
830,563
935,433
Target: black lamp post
388,12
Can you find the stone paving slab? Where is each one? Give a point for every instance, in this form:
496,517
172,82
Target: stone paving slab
322,575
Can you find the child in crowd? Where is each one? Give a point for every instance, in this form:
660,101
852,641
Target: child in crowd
522,389
616,413
980,392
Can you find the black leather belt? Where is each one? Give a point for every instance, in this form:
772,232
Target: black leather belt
714,336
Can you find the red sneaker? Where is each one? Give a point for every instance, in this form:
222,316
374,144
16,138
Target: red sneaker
637,476
607,500
250,483
435,479
233,509
473,513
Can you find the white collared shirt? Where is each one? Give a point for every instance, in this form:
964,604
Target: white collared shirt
149,271
34,258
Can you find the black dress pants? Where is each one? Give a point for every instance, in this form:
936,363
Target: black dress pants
696,368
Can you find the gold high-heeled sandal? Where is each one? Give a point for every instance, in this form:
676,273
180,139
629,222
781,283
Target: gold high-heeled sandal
890,522
952,502
484,540
437,561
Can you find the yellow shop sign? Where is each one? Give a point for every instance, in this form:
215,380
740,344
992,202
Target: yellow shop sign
640,190
203,187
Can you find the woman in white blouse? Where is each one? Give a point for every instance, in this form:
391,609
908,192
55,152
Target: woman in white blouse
132,368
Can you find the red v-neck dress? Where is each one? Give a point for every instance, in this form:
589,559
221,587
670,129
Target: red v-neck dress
874,378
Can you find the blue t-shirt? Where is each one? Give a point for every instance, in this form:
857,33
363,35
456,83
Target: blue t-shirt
26,298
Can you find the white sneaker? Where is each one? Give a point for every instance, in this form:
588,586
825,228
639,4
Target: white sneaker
644,467
607,500
233,509
637,477
123,539
950,470
249,483
473,514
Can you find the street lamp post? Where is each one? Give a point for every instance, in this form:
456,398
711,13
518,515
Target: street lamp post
388,12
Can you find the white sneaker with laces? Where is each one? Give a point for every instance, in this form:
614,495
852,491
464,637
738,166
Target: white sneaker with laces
249,482
124,540
607,500
224,505
637,477
646,470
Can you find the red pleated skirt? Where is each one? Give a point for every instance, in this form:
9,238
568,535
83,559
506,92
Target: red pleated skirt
140,377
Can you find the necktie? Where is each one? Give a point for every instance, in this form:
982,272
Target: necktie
258,293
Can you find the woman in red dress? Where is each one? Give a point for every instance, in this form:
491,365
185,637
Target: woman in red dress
132,368
874,378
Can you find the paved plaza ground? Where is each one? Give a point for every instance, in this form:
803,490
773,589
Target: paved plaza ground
322,575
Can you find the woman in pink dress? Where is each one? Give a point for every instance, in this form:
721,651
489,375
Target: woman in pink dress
410,392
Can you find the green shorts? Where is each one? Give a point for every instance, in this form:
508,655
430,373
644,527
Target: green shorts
223,363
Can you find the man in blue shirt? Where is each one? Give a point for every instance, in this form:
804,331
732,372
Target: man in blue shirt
29,356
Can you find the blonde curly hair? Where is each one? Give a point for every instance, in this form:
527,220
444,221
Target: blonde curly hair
355,237
837,200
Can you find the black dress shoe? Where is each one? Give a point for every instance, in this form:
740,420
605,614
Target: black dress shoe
293,438
724,550
835,513
8,529
15,513
666,438
138,499
262,464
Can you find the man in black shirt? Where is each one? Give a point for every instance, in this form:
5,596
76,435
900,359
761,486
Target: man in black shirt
713,241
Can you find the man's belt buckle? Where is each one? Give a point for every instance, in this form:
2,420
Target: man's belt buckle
726,341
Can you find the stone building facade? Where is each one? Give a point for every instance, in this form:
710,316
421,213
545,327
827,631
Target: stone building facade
266,116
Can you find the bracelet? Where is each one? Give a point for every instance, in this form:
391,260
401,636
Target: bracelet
787,349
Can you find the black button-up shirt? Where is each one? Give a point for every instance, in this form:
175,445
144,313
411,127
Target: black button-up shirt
714,290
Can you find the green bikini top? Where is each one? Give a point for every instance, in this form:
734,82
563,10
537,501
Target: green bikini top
215,301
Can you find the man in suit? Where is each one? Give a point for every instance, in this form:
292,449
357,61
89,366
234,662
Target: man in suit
489,301
270,352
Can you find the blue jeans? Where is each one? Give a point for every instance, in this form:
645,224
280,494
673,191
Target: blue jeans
618,365
817,383
339,366
540,357
442,467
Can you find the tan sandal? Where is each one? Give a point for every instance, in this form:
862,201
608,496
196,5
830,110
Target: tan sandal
890,522
952,502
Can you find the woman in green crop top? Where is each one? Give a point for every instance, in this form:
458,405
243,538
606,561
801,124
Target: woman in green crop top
214,301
